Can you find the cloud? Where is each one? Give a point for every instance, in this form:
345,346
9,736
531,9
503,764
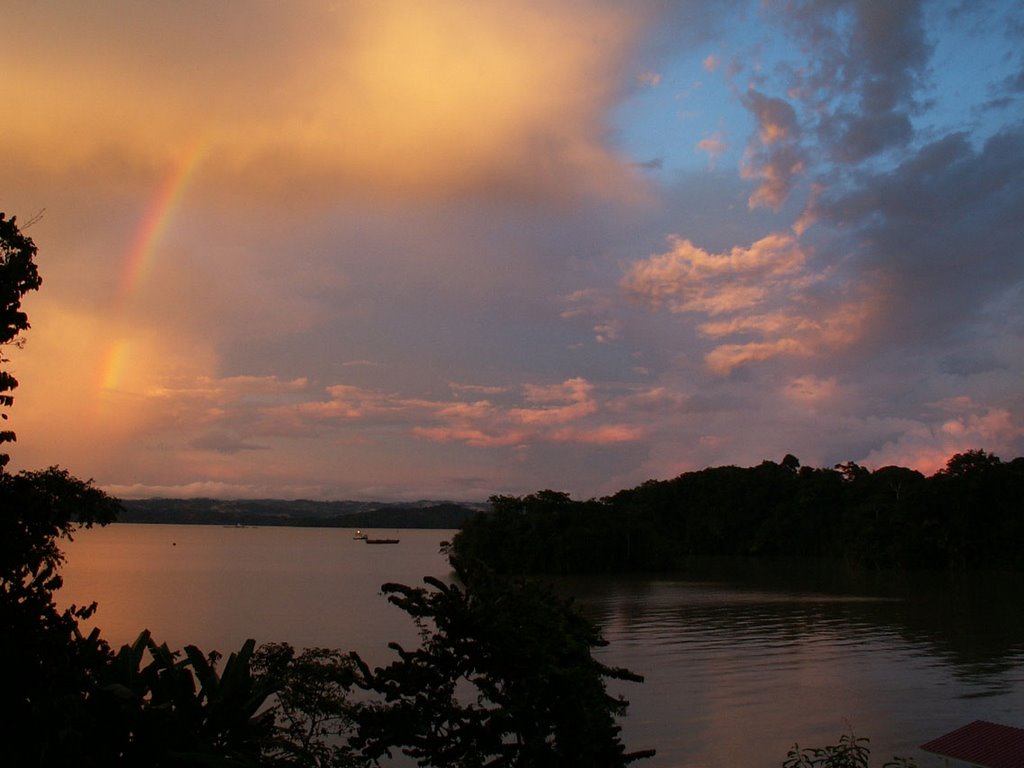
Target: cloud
860,87
938,234
811,390
714,145
199,489
831,328
959,425
775,157
556,404
223,442
650,79
691,279
411,256
654,164
768,291
776,119
725,357
238,411
606,435
597,307
477,389
366,100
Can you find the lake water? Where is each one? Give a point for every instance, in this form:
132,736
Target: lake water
740,660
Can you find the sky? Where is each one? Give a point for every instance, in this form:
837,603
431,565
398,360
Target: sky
402,250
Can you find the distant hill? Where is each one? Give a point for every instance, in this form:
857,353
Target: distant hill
300,513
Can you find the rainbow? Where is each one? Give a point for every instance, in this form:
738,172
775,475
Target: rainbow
140,256
113,365
154,222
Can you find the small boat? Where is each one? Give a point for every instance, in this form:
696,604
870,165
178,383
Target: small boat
359,536
381,541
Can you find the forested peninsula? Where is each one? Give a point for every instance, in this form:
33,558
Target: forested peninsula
969,515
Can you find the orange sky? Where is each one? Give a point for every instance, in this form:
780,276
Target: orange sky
404,250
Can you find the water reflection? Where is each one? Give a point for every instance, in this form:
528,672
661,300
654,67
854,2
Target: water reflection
216,587
745,658
741,658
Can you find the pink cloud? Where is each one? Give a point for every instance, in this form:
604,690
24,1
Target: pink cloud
571,411
810,389
477,389
690,279
607,330
715,146
576,389
558,404
657,401
926,446
776,170
724,358
650,79
481,409
606,435
762,291
474,437
774,158
787,335
776,119
763,325
595,306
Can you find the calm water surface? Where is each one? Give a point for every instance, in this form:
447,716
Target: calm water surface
740,660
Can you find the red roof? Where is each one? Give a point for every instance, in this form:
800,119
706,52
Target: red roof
982,743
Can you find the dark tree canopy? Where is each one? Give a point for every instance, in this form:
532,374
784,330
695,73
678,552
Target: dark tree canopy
967,515
18,276
504,677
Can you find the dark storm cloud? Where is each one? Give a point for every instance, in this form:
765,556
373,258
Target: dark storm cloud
942,233
774,157
1008,92
223,442
867,61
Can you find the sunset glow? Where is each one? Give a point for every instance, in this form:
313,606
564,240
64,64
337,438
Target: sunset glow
156,218
401,250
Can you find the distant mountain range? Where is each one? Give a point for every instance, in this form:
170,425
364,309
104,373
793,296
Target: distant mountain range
301,513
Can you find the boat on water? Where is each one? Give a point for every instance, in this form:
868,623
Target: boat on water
381,541
359,536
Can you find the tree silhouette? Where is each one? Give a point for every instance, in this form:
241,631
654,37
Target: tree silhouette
18,276
504,677
47,664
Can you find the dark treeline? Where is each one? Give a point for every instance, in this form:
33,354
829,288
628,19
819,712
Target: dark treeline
969,515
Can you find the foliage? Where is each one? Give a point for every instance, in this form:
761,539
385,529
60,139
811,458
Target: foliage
504,677
18,276
179,709
67,698
49,666
40,508
965,516
849,752
313,711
